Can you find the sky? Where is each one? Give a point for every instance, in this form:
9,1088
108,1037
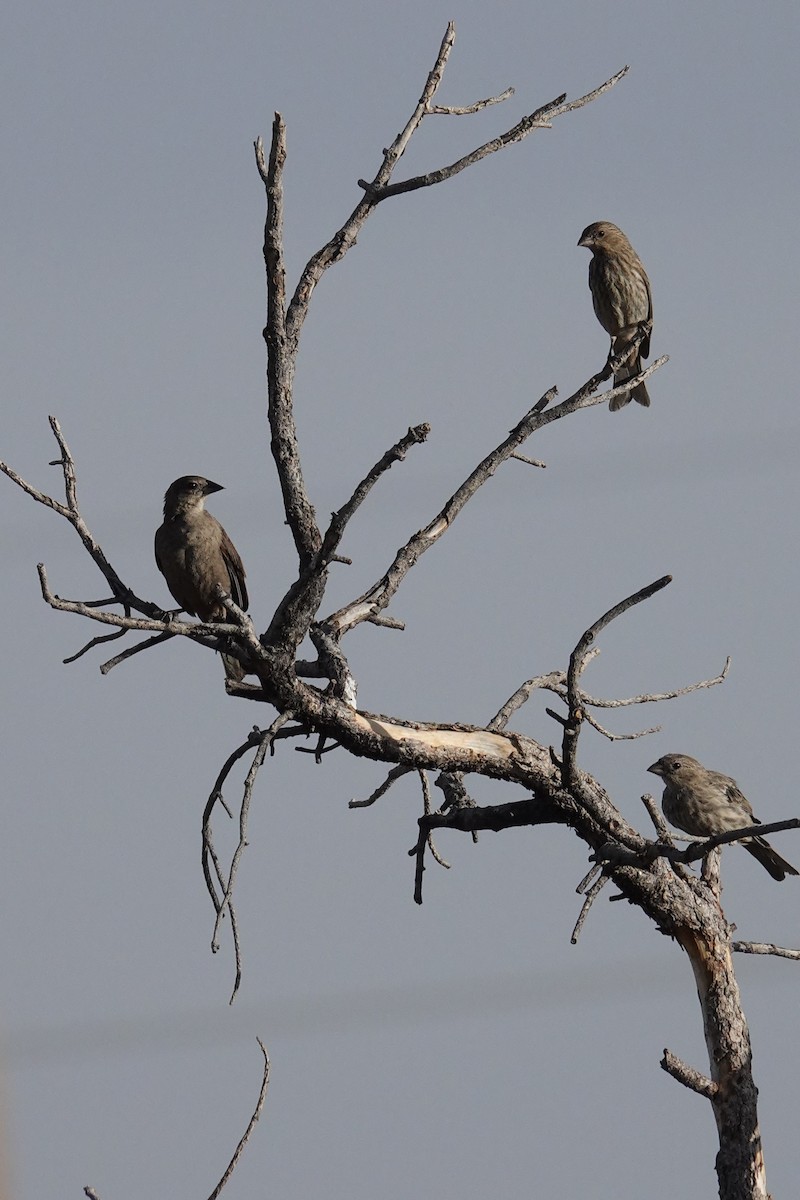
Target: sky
464,1047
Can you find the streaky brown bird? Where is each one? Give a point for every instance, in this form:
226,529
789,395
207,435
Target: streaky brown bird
622,301
703,803
196,557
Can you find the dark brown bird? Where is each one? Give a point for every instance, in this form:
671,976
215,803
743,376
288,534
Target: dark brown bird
703,803
622,301
196,556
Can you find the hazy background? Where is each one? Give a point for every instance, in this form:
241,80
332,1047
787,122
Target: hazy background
465,1048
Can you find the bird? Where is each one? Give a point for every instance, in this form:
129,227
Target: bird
622,301
196,557
704,803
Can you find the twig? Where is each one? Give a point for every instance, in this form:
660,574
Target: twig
451,110
659,824
262,1095
282,351
346,237
592,894
382,592
588,879
396,453
688,1076
426,800
613,852
577,664
396,773
766,948
655,697
129,653
521,696
258,740
71,513
542,118
616,737
532,462
96,641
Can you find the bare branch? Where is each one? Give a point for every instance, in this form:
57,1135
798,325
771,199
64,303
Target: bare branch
428,808
616,737
612,852
70,512
395,774
592,894
577,663
396,453
542,118
129,653
531,462
95,641
688,1076
346,237
282,350
766,948
262,1095
381,593
553,682
659,824
655,697
261,741
451,110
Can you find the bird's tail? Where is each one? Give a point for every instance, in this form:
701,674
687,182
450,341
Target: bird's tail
632,367
639,393
770,860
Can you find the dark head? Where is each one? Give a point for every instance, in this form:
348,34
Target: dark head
602,237
187,493
671,766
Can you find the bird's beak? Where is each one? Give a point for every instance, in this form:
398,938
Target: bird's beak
583,242
212,487
656,769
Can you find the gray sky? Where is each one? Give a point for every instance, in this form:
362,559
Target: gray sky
464,1048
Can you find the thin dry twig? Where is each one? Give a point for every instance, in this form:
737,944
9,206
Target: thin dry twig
451,110
259,740
656,697
396,773
622,856
415,436
766,948
591,895
381,593
237,1154
688,1076
531,462
131,650
617,737
541,118
428,808
577,664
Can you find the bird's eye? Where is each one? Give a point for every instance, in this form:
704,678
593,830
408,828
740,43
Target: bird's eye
675,765
601,233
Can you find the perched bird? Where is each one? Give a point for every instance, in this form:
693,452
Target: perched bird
703,803
622,301
196,557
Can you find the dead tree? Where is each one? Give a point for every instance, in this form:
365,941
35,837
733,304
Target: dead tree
319,697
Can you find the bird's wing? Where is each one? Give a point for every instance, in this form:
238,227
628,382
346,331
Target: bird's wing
739,799
165,552
235,568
